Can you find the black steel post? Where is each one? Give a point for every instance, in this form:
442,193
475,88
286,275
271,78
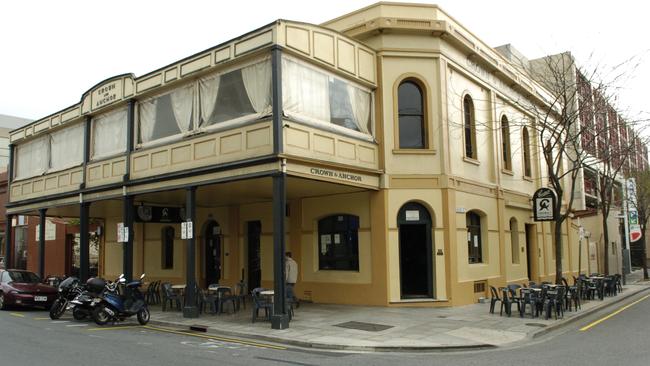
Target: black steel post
87,131
41,242
130,133
190,310
84,242
276,80
127,254
280,317
8,241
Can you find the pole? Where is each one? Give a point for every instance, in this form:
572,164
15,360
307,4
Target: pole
41,243
190,310
581,232
627,231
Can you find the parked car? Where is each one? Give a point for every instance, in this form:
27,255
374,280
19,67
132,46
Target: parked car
24,288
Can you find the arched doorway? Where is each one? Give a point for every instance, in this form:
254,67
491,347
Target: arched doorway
212,252
415,251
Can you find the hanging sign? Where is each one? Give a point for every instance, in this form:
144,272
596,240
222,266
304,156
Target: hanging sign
120,232
187,230
544,203
157,214
633,214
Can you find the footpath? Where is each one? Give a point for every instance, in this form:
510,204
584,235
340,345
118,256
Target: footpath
366,328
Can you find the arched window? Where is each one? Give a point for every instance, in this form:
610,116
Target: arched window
410,107
338,243
167,247
526,149
514,240
474,246
505,143
469,128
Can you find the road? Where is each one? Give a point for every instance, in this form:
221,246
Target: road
616,336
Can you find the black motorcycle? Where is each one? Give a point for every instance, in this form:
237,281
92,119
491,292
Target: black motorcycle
83,305
69,289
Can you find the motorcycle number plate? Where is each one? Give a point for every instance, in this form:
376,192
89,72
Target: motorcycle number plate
40,298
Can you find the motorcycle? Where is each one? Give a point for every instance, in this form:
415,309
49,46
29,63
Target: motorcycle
115,307
82,306
69,289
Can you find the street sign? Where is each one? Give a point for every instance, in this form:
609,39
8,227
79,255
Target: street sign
633,214
544,203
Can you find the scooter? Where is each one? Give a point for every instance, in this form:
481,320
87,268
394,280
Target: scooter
114,307
69,289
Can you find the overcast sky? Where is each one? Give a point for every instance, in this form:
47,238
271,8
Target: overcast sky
53,51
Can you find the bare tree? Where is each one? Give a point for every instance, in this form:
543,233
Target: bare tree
560,136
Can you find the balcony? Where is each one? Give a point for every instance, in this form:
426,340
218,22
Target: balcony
212,112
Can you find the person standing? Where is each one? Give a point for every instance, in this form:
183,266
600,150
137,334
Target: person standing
291,276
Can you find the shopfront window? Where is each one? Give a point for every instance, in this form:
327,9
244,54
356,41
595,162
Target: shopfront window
338,243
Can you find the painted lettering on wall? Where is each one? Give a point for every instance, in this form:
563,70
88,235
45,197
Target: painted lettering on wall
336,174
106,94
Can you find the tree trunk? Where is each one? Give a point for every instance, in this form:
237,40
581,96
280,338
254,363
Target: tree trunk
558,252
644,260
606,239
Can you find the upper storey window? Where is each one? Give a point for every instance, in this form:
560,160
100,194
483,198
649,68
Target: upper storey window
314,96
526,150
109,134
505,142
469,127
212,102
58,150
410,107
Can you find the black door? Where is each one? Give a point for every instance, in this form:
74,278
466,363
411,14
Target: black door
254,266
414,270
415,252
212,253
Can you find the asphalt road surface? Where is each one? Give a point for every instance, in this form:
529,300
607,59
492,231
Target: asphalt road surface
617,336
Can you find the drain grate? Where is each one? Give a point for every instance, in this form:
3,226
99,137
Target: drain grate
368,327
536,325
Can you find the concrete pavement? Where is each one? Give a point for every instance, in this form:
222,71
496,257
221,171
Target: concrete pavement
385,328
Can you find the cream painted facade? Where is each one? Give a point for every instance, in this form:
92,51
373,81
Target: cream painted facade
395,203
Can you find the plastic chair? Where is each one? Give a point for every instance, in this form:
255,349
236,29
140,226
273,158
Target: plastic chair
507,300
168,295
240,293
530,297
494,299
224,295
261,302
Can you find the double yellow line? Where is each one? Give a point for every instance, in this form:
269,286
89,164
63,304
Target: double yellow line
210,337
589,326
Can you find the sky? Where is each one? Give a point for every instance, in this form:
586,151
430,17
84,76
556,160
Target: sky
51,52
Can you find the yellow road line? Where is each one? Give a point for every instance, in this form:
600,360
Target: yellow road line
587,327
18,315
42,318
231,340
120,327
